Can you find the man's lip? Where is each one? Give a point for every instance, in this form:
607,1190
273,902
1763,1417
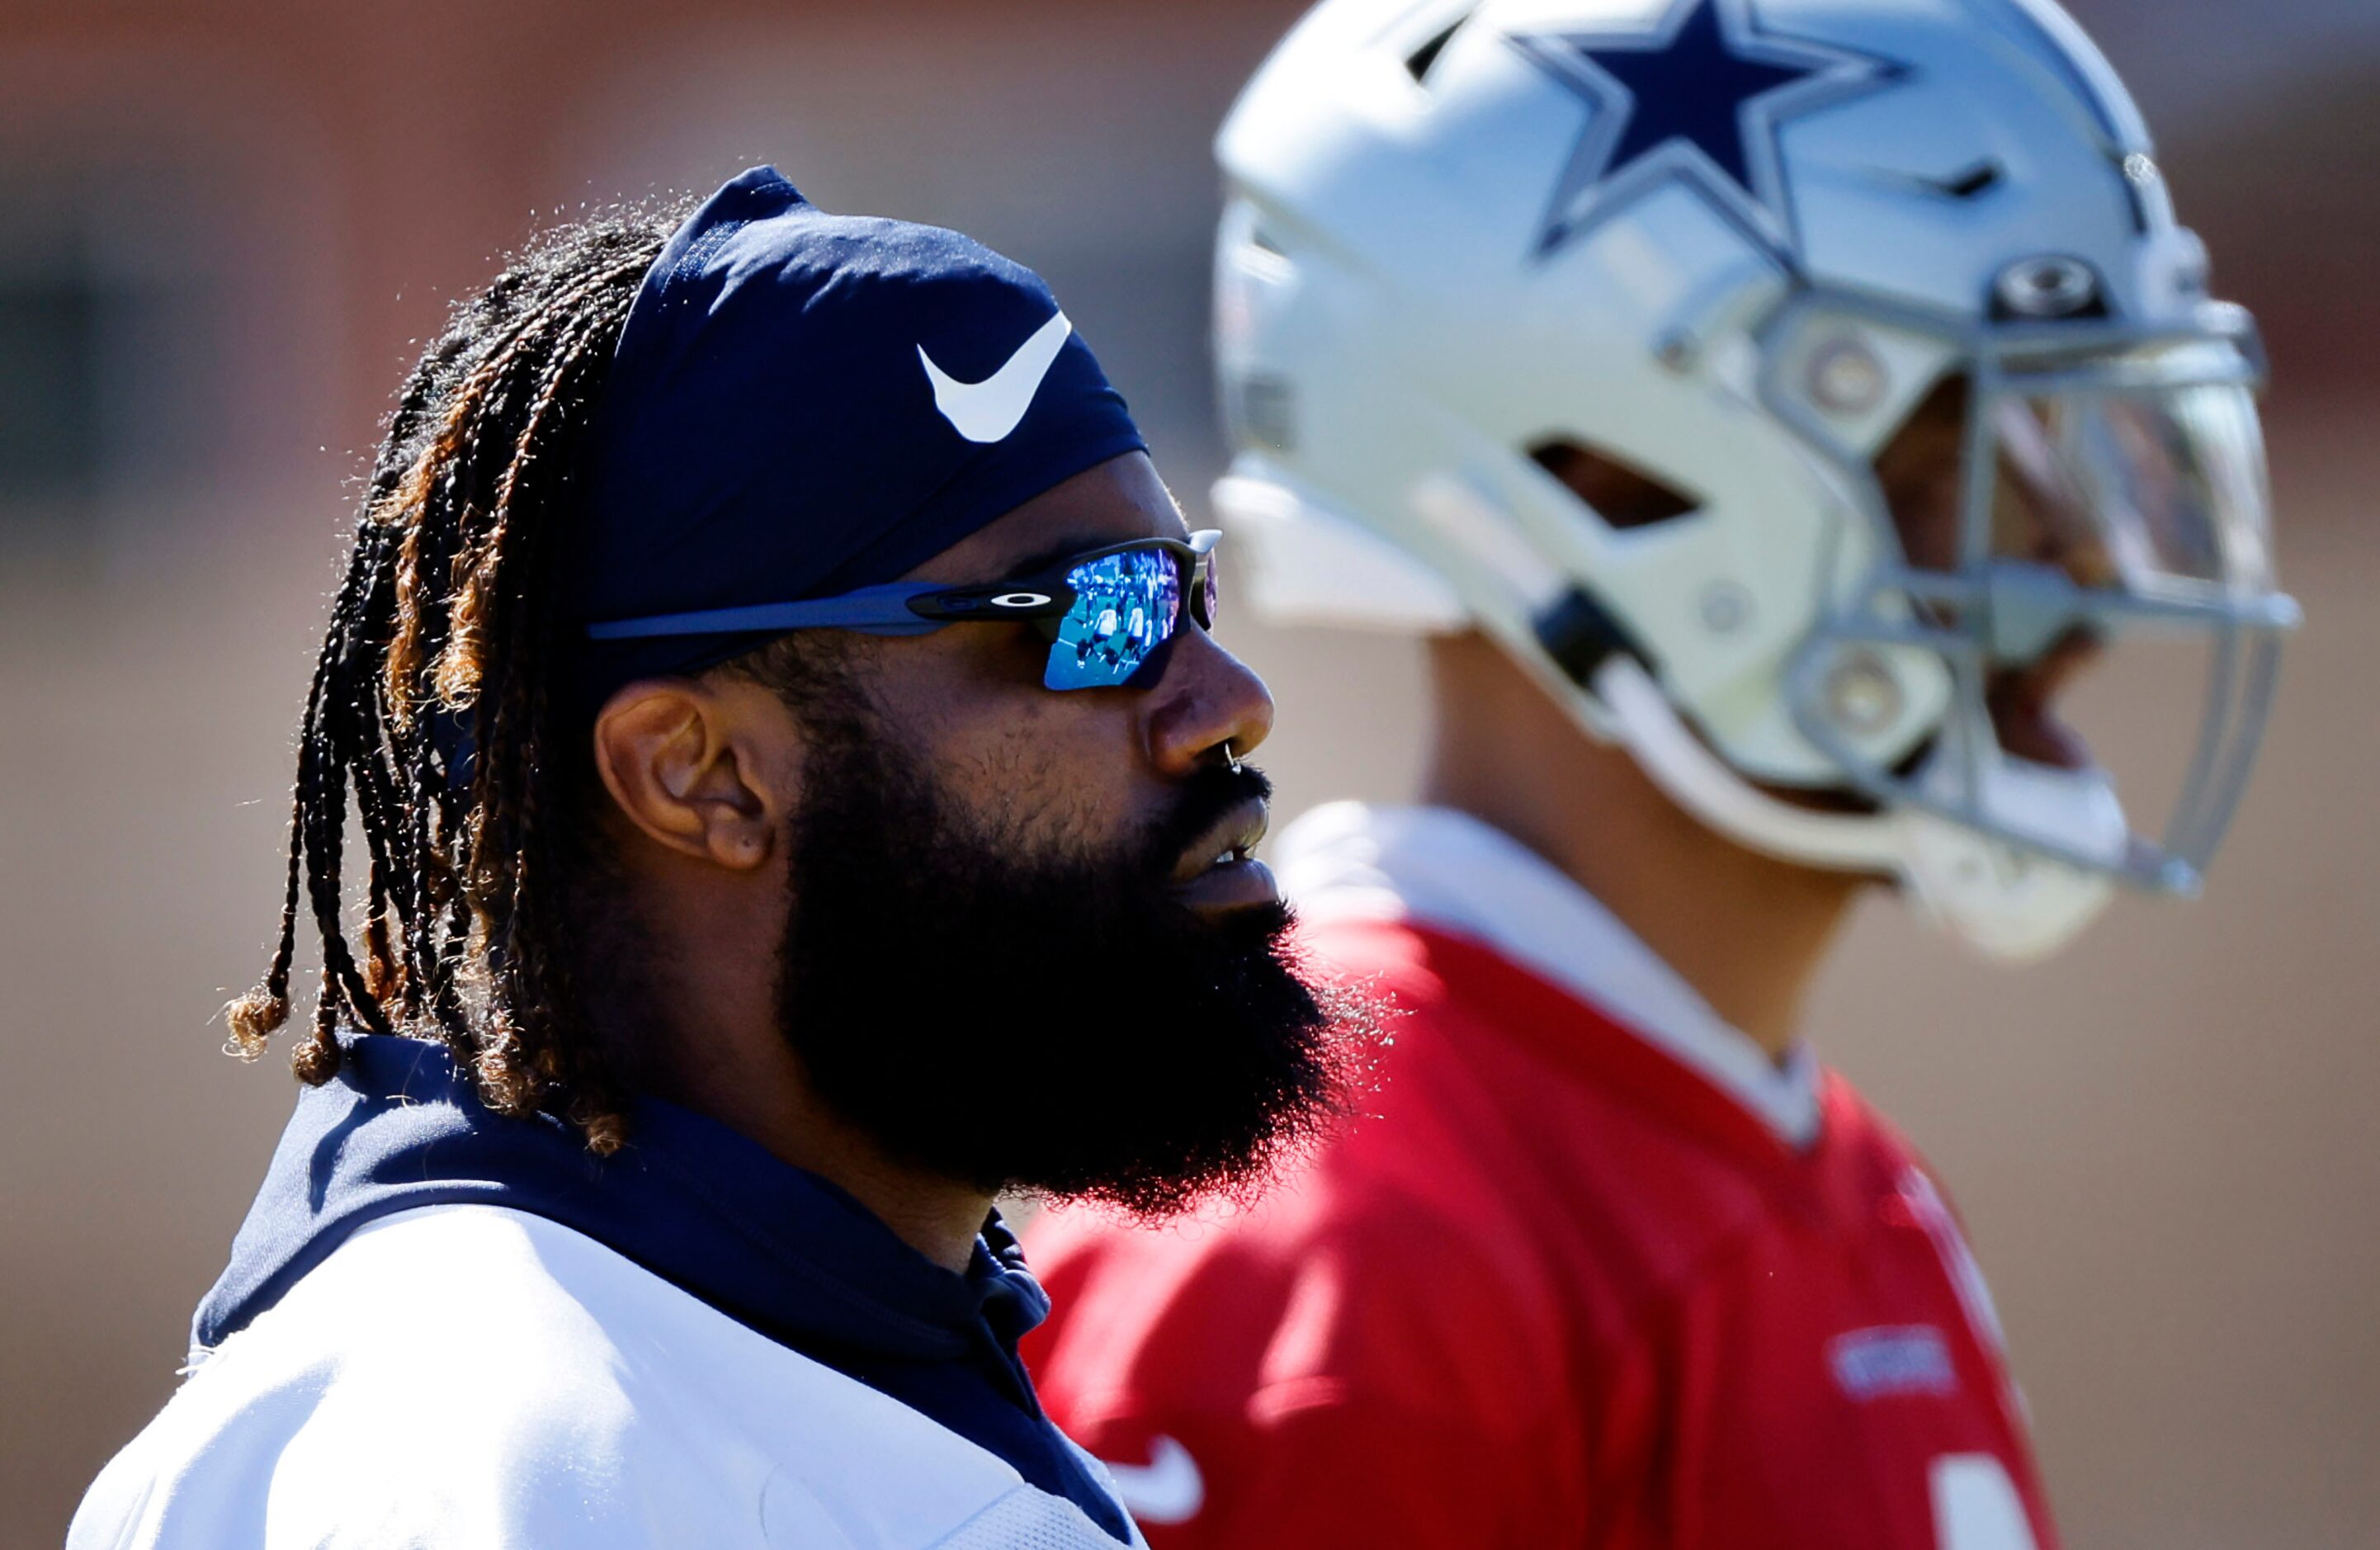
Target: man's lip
2023,701
1225,842
1227,886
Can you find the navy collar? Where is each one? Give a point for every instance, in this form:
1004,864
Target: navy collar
702,1205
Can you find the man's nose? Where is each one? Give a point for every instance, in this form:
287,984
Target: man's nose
1207,698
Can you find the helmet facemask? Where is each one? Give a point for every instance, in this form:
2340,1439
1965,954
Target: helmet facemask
1442,253
2089,493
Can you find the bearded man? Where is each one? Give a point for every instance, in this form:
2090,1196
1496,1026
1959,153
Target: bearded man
800,800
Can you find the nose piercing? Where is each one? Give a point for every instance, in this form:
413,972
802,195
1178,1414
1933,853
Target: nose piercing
1229,757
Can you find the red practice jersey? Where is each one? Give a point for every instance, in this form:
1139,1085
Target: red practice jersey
1571,1282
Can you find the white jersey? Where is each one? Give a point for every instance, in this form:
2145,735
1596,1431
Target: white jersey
474,1376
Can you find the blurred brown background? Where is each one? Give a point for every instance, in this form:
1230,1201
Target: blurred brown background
223,231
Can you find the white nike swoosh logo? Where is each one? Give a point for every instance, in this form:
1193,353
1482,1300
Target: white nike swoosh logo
1167,1489
987,411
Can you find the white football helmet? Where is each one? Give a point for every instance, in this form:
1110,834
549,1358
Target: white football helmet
1729,246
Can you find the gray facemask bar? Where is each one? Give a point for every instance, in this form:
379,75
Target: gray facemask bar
2008,610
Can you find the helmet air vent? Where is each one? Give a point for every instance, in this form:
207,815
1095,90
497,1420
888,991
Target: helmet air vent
1418,62
1970,183
1623,496
1980,179
1577,632
1263,410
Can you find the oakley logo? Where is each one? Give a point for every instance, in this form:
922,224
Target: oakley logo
987,411
1020,600
1168,1489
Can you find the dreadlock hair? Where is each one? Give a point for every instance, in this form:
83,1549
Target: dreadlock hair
447,623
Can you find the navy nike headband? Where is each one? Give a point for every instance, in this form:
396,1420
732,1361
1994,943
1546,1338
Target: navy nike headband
802,403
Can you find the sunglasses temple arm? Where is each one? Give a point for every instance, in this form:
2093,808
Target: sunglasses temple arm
873,610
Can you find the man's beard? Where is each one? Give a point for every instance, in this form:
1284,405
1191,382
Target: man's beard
1053,1023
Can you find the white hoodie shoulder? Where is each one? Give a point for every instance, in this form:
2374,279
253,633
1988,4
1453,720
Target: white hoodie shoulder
466,1375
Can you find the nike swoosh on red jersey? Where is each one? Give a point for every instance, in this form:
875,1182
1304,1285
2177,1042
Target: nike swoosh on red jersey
1168,1489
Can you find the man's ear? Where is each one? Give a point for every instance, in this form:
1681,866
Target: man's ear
704,769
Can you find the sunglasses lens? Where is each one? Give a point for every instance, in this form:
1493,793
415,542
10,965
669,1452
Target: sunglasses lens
1125,607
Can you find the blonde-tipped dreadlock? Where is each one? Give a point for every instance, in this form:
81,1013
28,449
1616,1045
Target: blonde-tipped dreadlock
448,617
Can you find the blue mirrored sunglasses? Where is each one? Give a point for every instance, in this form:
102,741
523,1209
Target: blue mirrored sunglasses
1105,612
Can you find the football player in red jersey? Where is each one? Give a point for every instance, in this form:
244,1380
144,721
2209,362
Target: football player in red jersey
1769,408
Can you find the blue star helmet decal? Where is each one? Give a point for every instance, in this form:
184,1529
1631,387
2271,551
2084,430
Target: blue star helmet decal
1700,96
